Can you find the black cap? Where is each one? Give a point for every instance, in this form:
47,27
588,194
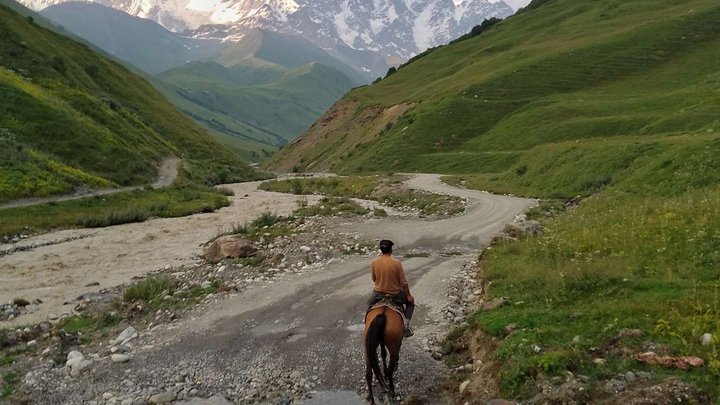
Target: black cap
386,243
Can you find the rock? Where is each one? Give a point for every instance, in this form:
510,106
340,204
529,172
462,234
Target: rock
706,339
120,358
77,363
477,365
576,340
128,334
599,361
464,386
629,334
630,376
32,343
305,249
162,398
536,348
228,247
500,402
509,329
436,355
494,304
206,284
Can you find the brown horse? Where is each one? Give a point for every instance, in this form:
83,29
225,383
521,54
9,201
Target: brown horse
383,328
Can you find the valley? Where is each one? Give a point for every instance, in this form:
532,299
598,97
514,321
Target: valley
245,157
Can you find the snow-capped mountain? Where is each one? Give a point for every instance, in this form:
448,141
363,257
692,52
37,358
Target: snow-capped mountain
397,29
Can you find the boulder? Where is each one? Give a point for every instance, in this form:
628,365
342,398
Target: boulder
228,247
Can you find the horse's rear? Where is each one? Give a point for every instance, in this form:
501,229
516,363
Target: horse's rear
384,328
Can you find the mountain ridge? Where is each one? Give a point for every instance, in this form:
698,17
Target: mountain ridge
395,29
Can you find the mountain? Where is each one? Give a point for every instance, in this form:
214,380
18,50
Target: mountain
71,118
546,92
395,29
225,83
138,41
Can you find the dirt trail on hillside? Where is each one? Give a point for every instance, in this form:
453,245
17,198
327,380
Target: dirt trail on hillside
167,173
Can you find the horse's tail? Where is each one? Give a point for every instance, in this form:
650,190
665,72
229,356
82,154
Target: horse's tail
374,339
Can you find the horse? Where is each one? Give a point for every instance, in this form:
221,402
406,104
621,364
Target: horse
384,328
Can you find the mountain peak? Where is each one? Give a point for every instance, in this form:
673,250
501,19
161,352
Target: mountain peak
393,28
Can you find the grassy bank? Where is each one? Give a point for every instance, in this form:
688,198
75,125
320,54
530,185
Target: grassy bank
135,206
617,261
387,190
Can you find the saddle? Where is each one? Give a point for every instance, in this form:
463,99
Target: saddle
388,302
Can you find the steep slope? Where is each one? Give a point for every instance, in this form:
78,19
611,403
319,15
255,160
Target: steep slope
140,42
71,118
563,79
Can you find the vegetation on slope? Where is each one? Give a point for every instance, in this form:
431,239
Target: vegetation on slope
616,102
76,118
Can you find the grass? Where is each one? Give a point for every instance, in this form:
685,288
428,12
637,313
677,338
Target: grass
101,211
70,118
385,190
616,261
9,381
161,292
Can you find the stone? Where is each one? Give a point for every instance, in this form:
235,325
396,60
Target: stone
162,398
494,304
206,284
629,334
120,358
630,376
509,329
32,343
576,340
500,402
706,339
228,247
305,249
464,386
599,361
128,334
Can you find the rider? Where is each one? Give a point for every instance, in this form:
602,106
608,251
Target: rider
389,277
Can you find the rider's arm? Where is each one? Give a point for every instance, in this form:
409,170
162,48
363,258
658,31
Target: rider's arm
404,284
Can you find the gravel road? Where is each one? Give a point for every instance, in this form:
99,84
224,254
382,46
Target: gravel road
302,334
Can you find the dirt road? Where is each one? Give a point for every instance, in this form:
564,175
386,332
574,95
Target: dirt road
306,328
167,173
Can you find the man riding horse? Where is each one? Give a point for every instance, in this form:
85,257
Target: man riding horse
390,282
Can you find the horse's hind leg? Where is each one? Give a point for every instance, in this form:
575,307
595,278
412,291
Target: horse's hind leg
369,379
390,374
383,354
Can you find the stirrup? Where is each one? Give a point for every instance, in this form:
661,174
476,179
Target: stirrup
408,331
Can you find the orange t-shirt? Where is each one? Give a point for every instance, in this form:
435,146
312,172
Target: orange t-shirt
388,275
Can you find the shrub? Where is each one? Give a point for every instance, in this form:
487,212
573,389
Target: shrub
149,289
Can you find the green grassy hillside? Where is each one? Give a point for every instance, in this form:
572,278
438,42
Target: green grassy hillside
266,106
71,118
613,101
532,85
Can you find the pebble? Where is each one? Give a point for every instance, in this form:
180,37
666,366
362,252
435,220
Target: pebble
706,339
120,358
32,343
162,398
464,386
